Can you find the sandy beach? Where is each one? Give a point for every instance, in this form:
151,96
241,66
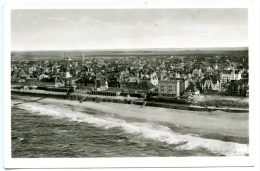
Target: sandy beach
214,122
219,133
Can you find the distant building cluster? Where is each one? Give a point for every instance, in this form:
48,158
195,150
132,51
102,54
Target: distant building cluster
165,76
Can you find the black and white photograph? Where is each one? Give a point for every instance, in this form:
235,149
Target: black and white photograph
129,83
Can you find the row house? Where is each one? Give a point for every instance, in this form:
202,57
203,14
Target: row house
228,75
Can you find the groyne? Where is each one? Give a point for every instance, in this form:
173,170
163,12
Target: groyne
141,102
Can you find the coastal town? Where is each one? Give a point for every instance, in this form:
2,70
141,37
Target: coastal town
164,78
111,83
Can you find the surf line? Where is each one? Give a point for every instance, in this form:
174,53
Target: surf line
29,101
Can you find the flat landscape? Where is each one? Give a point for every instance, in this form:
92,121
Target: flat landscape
108,54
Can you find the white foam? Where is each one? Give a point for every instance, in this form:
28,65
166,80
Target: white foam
144,130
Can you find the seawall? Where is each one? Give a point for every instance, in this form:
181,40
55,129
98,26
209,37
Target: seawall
82,98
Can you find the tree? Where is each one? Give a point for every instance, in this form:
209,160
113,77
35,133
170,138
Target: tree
198,86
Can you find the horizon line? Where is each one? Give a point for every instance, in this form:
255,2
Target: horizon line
119,49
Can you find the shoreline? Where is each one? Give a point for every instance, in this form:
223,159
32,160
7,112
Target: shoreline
200,122
196,129
120,99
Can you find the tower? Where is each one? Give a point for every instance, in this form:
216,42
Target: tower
83,58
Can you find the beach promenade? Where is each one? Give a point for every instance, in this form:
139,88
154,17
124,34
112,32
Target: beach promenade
126,100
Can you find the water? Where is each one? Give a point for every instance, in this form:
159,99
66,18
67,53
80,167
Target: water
51,130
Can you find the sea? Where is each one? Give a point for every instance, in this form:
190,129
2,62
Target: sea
46,130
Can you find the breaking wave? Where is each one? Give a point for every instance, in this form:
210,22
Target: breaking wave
148,131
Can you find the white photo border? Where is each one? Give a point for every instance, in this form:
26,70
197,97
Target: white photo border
250,160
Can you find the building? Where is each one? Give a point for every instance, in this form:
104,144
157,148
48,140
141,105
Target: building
82,84
100,62
51,81
191,90
209,71
238,88
184,83
66,73
142,87
210,83
169,88
76,70
101,84
67,58
132,79
197,72
71,81
228,75
20,73
113,82
31,70
135,66
154,79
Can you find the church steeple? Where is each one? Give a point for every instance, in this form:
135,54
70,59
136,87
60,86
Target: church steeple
83,57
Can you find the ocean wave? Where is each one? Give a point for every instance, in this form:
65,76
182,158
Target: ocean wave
150,131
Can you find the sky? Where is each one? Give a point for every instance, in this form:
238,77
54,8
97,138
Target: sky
82,29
